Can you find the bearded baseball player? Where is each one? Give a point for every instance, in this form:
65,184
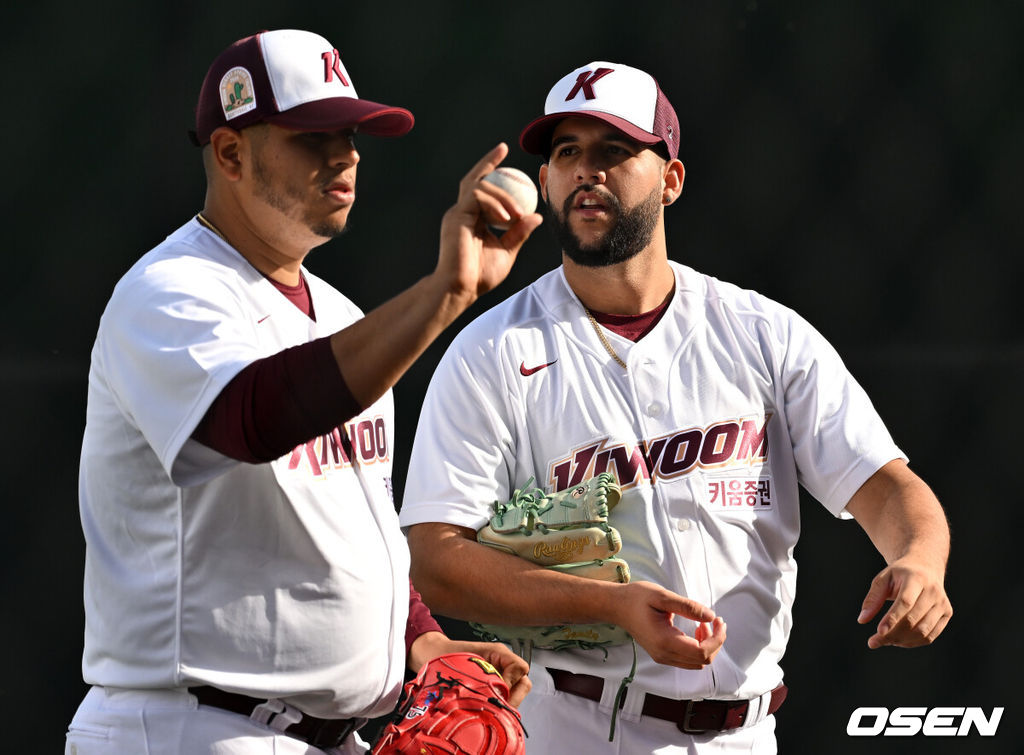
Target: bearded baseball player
708,404
246,581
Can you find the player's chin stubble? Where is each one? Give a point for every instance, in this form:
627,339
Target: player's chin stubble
630,232
289,201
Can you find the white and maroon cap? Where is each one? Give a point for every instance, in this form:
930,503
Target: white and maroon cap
291,78
627,98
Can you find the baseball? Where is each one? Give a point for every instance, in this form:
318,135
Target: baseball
519,187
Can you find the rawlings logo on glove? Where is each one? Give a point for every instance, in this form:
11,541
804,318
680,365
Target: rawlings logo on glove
562,551
456,705
566,531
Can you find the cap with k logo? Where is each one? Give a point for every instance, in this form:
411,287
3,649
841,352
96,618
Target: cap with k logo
291,78
624,97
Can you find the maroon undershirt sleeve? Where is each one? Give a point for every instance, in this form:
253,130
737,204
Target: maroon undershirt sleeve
278,403
420,620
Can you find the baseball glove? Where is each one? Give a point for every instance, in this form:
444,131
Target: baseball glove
567,531
456,705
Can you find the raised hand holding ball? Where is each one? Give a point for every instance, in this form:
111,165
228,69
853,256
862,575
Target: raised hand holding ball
518,185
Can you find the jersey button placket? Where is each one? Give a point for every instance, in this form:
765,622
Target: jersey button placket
650,388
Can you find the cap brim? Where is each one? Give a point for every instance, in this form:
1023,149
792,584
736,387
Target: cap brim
536,137
346,112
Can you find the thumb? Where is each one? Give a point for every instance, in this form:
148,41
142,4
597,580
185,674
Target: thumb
879,592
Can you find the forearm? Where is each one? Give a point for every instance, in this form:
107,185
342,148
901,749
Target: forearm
463,579
375,351
906,523
902,517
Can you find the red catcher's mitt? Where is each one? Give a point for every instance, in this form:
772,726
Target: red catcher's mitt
456,705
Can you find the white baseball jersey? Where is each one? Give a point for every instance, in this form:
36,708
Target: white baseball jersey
729,404
287,579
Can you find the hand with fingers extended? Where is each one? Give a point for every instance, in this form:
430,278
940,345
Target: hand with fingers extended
473,258
645,610
920,608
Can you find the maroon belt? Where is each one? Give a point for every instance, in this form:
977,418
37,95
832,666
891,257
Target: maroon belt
319,732
690,716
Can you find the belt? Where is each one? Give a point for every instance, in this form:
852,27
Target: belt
690,716
318,732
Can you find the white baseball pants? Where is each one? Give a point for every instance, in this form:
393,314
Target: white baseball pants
170,722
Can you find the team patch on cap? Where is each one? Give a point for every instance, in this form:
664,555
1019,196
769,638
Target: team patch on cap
237,95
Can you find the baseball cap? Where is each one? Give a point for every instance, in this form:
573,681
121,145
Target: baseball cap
291,78
625,97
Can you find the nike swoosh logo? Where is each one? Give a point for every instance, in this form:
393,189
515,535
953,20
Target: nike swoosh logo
527,371
262,319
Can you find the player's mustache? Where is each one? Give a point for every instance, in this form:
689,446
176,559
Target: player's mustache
606,196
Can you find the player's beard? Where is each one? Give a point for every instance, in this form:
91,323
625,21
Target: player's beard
290,200
630,233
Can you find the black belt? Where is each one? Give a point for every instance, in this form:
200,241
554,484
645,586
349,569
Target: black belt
319,732
691,716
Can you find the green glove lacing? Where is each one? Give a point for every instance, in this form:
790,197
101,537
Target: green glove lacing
620,695
534,503
528,501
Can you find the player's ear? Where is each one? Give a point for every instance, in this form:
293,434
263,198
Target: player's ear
673,178
225,152
542,179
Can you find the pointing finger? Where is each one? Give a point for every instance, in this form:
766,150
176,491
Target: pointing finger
670,602
485,164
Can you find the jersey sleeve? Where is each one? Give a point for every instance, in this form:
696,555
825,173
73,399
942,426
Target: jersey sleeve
838,438
463,451
171,338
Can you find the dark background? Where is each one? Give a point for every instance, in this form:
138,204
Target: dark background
859,161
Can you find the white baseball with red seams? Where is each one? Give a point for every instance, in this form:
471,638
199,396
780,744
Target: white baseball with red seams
519,187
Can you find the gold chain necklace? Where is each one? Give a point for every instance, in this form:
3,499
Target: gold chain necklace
202,219
604,341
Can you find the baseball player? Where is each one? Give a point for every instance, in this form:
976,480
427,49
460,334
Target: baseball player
710,404
246,581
